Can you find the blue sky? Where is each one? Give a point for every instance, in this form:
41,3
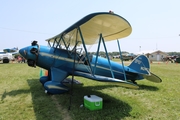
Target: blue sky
155,23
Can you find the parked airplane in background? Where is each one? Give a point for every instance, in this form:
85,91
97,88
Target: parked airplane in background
6,55
11,50
67,54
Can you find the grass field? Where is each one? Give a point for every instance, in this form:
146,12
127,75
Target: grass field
22,97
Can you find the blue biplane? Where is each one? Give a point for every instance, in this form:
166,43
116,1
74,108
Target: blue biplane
67,54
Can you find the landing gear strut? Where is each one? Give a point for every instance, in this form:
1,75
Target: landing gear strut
133,81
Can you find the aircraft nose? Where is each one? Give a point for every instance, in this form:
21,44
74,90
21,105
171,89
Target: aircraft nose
23,52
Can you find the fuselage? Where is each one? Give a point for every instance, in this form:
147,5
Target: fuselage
48,57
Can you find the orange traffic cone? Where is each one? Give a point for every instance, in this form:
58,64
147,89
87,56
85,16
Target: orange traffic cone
46,73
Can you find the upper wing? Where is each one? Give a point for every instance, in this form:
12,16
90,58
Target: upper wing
111,26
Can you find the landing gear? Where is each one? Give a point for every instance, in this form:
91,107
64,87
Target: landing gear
133,81
46,91
43,79
55,88
53,82
5,60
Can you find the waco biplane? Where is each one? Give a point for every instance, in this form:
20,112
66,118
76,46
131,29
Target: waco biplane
67,54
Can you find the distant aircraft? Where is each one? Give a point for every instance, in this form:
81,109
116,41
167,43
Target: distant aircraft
11,50
6,55
67,54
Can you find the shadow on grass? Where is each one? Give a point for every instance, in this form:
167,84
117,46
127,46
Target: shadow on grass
112,108
148,87
13,93
46,108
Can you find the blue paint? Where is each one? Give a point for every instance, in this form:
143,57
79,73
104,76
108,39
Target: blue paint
60,64
59,58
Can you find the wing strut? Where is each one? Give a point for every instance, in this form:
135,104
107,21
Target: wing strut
97,53
121,60
65,43
54,41
107,57
59,42
49,43
84,47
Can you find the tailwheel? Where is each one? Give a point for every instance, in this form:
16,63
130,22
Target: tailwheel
133,81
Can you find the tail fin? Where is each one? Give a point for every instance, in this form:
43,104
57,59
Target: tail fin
140,65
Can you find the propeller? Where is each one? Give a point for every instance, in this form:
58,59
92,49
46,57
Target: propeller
34,43
34,51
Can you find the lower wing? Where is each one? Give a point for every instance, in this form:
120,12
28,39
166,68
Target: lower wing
107,79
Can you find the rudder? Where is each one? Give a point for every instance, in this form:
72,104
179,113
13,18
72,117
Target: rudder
141,65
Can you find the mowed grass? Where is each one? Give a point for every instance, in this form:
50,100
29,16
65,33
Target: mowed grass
22,97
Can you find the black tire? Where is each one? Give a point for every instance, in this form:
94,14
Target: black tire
6,61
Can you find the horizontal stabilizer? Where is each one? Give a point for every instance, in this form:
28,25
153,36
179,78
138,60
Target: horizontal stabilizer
152,78
107,79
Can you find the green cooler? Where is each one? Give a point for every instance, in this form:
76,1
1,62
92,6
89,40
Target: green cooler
93,102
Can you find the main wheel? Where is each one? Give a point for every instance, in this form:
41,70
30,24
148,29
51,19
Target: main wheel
6,61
